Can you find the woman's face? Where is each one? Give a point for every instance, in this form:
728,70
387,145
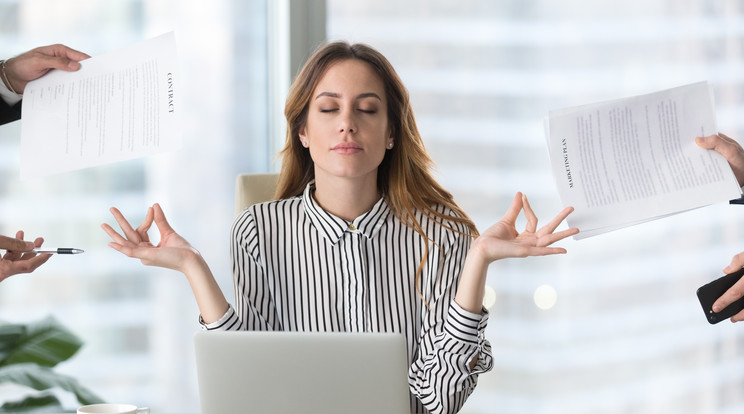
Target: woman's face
347,129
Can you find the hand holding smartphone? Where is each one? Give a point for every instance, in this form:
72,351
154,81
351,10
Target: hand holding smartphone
709,293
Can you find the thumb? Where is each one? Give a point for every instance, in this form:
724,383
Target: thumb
15,245
707,142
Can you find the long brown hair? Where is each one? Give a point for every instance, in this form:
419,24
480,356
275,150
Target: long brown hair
404,176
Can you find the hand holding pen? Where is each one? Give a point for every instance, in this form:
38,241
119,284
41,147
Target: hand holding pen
20,256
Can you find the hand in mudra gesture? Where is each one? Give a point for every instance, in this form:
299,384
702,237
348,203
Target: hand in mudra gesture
172,252
503,240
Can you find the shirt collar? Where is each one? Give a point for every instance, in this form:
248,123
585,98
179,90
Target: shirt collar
333,228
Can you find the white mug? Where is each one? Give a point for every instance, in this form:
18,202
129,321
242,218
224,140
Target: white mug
112,409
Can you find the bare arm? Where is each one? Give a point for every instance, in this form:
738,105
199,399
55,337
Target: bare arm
502,240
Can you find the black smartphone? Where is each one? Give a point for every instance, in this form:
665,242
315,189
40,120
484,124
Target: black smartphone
708,294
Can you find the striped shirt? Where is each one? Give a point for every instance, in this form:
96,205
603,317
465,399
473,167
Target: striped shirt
297,267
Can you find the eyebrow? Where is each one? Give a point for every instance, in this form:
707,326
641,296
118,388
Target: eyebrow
360,96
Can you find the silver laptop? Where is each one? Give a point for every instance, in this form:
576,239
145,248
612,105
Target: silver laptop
302,372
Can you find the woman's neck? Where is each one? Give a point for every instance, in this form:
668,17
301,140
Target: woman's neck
347,198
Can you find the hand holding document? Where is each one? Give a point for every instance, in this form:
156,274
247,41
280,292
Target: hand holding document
118,106
627,161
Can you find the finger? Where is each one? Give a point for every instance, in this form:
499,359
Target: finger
63,51
160,220
46,63
727,138
545,251
131,250
144,254
737,262
738,317
729,148
126,250
145,226
719,143
129,232
24,266
58,57
529,215
555,222
549,239
18,254
28,255
36,261
15,244
707,142
732,294
513,212
115,236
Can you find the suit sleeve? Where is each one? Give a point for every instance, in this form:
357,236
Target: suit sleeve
9,113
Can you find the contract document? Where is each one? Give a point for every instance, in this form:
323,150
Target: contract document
627,161
117,106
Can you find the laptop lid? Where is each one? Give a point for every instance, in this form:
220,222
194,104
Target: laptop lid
301,372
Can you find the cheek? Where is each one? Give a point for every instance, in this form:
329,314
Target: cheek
318,127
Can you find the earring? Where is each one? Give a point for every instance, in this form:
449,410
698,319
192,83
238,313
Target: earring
390,145
304,144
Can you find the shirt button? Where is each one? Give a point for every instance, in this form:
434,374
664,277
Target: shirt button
352,227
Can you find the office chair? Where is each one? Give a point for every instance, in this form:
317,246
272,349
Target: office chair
254,188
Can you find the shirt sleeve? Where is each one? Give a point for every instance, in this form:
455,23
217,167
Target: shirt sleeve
440,375
252,305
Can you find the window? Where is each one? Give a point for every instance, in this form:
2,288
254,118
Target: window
626,333
137,322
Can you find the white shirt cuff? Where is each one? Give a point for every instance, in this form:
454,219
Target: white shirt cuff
9,97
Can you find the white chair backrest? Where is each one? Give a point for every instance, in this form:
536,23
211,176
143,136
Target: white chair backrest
251,189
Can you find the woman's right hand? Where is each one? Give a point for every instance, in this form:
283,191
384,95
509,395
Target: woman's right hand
173,251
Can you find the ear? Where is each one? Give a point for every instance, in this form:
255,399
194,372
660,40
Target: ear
303,136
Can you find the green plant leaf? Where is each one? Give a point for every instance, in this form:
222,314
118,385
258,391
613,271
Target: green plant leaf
46,343
10,335
43,378
43,403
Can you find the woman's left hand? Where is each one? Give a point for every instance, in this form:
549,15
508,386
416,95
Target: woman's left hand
502,240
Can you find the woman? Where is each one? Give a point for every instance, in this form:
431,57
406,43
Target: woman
361,237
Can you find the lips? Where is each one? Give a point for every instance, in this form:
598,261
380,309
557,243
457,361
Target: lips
346,148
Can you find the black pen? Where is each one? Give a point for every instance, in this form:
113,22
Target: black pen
60,250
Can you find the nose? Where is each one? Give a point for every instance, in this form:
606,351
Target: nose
347,123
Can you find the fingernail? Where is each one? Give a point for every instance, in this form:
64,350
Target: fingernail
716,308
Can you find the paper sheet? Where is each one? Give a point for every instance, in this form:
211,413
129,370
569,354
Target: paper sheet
118,106
632,160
